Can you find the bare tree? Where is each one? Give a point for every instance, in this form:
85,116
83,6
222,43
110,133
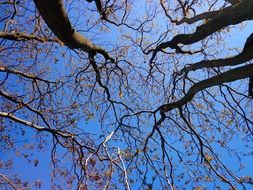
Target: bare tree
167,84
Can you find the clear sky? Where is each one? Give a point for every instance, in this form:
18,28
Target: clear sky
42,171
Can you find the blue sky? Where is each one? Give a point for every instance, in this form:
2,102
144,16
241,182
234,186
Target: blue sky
27,171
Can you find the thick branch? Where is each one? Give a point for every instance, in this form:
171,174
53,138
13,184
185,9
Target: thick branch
246,55
229,16
232,2
229,76
20,36
202,16
56,18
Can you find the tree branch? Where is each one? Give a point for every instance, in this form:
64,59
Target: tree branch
54,132
23,74
9,182
56,18
21,36
232,2
99,8
229,16
229,76
244,56
33,125
202,16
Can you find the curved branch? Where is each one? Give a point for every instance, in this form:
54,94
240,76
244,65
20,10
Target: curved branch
229,16
56,18
229,76
243,57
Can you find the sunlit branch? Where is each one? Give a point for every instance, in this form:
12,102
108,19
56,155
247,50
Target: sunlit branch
56,18
23,104
23,74
21,36
33,125
8,181
124,170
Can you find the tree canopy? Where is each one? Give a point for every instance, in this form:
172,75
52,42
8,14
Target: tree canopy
125,94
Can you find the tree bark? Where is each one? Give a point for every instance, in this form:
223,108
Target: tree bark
56,18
